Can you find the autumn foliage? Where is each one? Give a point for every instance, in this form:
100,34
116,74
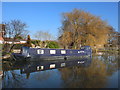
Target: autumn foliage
81,28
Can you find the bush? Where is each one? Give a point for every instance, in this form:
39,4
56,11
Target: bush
35,42
52,44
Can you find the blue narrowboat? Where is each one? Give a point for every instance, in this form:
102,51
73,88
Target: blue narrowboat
37,54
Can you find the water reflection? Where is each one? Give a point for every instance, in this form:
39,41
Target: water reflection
95,76
85,73
29,67
12,80
11,77
92,77
42,76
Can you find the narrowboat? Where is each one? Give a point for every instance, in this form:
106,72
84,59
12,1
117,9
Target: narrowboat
37,54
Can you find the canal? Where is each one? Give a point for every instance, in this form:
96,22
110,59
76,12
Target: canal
96,72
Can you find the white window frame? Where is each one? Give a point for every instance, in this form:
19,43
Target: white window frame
52,51
63,51
81,51
40,67
52,66
39,51
62,64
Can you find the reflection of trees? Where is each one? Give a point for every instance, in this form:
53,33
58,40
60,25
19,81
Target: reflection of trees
12,79
111,61
27,75
43,75
93,76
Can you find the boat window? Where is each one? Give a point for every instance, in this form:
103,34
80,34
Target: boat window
40,67
52,66
40,51
89,48
63,52
52,51
80,51
62,64
24,51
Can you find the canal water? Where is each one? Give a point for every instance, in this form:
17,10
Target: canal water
96,72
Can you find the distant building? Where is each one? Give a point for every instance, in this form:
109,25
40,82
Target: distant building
11,40
4,39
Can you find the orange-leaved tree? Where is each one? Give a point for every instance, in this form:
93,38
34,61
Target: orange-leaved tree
85,29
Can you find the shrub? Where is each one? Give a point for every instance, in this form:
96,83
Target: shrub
52,44
35,42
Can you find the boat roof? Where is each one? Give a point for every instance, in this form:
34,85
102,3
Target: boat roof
52,48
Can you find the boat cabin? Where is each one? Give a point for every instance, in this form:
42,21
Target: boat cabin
27,51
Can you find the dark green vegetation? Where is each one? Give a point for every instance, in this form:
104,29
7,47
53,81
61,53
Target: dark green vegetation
52,44
46,44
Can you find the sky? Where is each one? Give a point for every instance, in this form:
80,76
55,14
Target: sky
47,16
60,0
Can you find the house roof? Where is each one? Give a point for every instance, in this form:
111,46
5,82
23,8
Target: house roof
11,39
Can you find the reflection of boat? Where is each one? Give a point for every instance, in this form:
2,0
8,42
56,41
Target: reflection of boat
37,54
28,67
47,65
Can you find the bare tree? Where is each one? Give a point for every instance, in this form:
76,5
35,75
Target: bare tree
15,28
43,35
38,35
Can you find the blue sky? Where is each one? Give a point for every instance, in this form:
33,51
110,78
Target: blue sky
47,16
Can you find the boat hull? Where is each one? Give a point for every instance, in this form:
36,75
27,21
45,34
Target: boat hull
19,57
38,54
